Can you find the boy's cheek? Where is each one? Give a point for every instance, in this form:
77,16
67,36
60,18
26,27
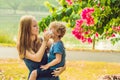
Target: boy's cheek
52,36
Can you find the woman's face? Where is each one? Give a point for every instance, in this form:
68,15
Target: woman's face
34,27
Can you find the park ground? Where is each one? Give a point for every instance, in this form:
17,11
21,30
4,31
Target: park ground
81,65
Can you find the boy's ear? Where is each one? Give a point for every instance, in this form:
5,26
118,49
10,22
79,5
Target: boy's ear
59,33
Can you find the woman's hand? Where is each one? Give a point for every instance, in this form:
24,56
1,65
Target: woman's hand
46,36
58,71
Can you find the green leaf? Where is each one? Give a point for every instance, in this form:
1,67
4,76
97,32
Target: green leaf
68,11
41,26
114,40
66,19
72,22
59,16
51,7
113,1
63,3
74,16
110,30
47,4
108,1
47,20
76,8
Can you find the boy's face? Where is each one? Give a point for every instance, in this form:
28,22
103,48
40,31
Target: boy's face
54,33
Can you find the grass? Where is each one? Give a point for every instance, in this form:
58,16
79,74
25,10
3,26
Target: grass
12,69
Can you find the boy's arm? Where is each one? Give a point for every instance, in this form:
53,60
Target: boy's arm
52,63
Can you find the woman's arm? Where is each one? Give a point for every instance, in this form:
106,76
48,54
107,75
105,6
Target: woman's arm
59,70
37,57
49,45
50,72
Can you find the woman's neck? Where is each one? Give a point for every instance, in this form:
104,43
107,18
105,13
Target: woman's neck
33,37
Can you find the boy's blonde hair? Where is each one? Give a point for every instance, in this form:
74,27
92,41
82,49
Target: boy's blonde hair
59,26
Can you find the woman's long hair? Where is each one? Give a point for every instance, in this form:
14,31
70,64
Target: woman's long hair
24,41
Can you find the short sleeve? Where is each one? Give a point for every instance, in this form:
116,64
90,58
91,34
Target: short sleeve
58,48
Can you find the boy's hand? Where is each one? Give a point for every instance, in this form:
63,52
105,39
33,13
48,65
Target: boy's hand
44,67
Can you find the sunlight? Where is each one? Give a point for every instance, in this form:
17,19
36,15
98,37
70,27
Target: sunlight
100,46
15,39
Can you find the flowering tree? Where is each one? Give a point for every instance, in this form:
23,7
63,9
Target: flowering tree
91,20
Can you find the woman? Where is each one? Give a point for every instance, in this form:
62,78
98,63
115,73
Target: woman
31,48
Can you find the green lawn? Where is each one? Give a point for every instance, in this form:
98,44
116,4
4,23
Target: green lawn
12,69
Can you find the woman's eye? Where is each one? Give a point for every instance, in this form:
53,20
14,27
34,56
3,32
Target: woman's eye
35,26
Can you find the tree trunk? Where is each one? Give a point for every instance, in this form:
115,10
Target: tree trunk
93,47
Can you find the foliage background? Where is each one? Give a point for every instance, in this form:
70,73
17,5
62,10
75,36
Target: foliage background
106,16
9,19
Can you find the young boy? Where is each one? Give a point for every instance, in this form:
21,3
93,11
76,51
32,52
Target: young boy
57,54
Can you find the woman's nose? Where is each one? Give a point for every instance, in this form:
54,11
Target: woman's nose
37,27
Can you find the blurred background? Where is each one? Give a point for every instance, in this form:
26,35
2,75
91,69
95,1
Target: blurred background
83,63
12,10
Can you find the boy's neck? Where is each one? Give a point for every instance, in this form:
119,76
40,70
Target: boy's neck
56,40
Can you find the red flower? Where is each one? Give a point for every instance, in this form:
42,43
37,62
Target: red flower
69,2
77,33
96,34
113,35
83,39
89,40
90,21
86,32
79,23
116,29
86,16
